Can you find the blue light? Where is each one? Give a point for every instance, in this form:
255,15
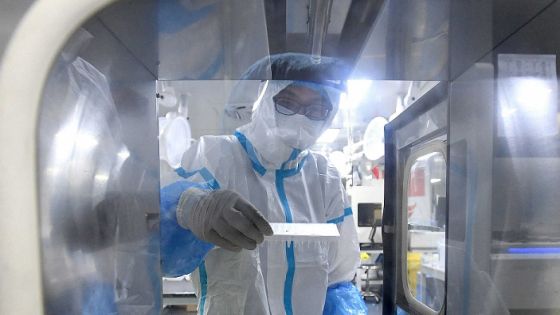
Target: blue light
534,250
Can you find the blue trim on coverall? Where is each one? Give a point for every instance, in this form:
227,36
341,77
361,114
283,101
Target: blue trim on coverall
340,219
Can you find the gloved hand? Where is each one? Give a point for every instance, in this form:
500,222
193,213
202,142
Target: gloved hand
222,217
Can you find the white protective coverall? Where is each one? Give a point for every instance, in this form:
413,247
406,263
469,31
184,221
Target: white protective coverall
287,183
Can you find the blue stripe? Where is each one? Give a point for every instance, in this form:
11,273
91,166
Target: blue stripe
294,171
340,219
289,283
183,173
211,181
282,195
290,254
534,250
249,149
293,156
280,175
209,178
203,286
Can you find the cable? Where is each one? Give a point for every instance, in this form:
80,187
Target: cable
372,234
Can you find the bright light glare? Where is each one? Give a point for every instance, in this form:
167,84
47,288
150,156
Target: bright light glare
81,140
528,106
532,93
428,156
66,140
341,162
123,154
508,112
52,171
101,178
435,180
357,89
328,136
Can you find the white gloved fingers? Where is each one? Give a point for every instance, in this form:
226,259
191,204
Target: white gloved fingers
244,225
254,215
231,234
213,237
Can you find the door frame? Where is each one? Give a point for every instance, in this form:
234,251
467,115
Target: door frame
395,160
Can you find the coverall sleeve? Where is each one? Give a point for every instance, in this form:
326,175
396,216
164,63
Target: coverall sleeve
181,251
342,296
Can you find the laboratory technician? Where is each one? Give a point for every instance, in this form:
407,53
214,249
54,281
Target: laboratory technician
216,215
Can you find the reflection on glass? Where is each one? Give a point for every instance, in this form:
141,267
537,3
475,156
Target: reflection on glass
527,96
524,217
427,212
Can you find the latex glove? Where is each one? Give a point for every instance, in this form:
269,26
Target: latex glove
222,217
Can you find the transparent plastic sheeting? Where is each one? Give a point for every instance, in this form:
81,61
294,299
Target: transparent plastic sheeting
432,120
100,233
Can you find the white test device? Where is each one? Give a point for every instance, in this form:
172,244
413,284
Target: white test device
303,232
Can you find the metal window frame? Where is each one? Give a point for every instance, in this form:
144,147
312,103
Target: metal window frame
395,159
431,146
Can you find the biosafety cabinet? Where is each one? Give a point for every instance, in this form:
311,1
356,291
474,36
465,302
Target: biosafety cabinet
470,221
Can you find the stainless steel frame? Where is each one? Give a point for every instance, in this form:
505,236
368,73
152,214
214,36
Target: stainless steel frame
430,146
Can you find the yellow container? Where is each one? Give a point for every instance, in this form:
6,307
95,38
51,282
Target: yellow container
364,256
413,261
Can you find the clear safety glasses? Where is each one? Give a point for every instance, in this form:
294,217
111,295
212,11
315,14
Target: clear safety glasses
289,107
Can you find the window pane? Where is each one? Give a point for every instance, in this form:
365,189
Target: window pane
426,212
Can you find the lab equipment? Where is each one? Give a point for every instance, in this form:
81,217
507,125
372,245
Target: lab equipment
99,202
303,232
374,139
174,139
371,262
494,230
420,142
371,194
369,214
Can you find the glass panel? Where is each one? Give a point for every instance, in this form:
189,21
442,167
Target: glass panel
504,224
98,181
427,213
430,121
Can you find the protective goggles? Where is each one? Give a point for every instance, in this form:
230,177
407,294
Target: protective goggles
287,105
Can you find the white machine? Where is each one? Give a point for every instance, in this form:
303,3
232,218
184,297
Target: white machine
372,194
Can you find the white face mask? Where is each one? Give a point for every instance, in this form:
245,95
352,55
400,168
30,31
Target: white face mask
274,135
297,131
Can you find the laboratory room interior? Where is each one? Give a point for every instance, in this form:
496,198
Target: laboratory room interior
279,157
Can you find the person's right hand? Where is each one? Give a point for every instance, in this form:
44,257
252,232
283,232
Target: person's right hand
224,218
